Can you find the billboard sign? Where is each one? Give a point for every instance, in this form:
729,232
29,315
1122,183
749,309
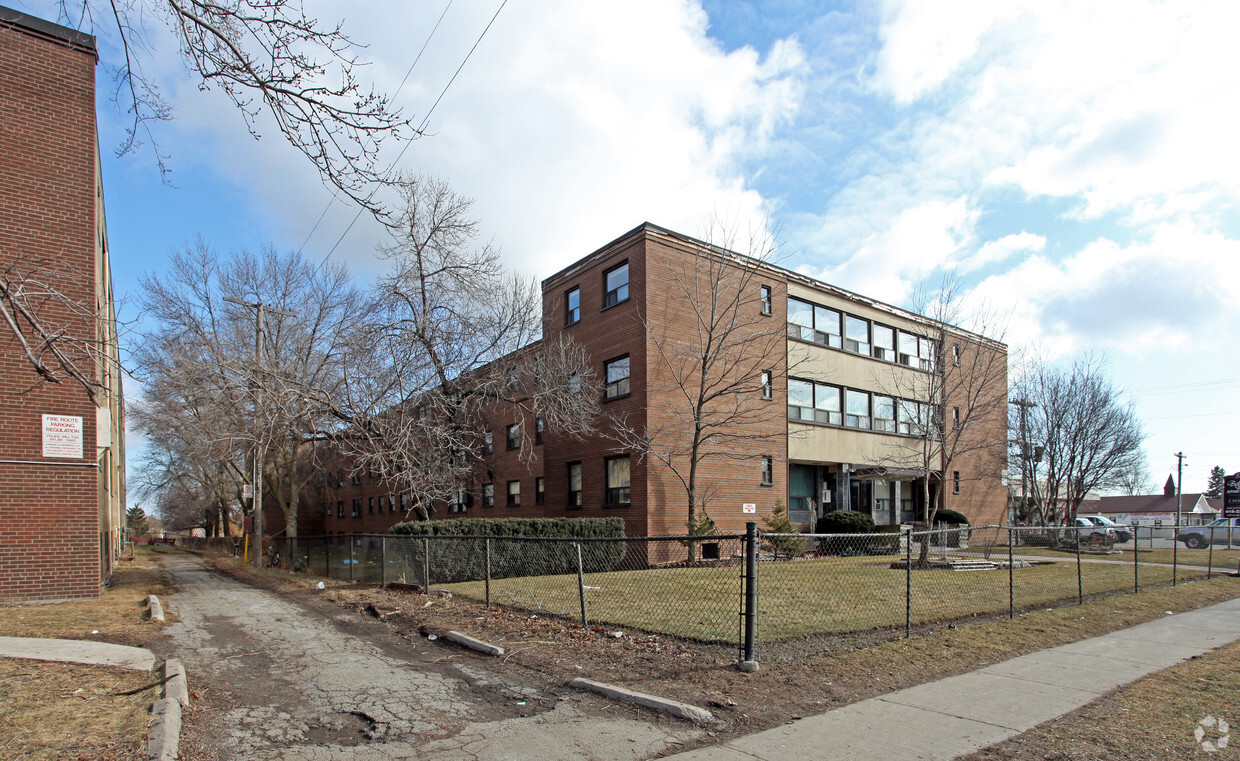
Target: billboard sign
1231,496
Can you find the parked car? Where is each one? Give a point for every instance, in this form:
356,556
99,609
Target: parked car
1090,529
1122,533
1196,537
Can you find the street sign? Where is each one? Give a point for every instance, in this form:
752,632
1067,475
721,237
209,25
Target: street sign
247,491
1231,496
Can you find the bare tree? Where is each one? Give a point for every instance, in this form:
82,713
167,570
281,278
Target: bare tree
949,386
454,338
1089,436
202,351
714,376
267,56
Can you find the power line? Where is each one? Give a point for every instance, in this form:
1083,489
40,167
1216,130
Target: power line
422,126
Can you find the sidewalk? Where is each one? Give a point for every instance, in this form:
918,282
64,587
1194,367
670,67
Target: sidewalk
959,714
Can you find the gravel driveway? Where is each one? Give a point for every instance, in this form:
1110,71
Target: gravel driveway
276,679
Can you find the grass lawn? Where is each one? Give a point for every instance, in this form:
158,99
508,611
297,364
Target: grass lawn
67,711
804,598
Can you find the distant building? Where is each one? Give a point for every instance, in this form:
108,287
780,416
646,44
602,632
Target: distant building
840,433
1155,509
62,456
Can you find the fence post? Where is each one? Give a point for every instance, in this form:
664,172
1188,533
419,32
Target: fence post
327,557
908,583
1080,583
488,540
426,564
1011,574
581,584
383,560
352,539
1175,553
1210,556
1136,559
749,662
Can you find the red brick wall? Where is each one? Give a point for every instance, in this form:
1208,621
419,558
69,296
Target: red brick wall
49,512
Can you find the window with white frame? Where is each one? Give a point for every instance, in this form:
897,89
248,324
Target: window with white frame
856,335
814,402
514,493
616,285
767,390
858,406
616,372
617,475
884,414
884,340
908,349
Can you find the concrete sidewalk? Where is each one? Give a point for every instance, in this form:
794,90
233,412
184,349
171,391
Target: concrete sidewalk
77,651
959,714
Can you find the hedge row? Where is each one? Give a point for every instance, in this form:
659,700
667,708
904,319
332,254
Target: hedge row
455,556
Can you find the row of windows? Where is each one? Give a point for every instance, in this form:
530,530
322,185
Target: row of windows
839,330
463,499
615,290
380,504
617,483
811,401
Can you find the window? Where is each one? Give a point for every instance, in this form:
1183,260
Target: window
767,391
488,443
574,383
909,418
955,482
956,355
955,417
800,319
814,402
340,509
617,377
617,481
810,322
538,430
357,508
884,414
357,478
512,434
856,335
370,507
764,294
925,353
884,343
858,409
908,349
461,501
616,285
514,493
768,470
488,495
539,490
826,327
572,306
383,504
404,501
574,484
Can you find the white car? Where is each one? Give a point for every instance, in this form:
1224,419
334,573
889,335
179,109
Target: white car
1122,533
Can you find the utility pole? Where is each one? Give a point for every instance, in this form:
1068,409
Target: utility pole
259,333
1023,404
1179,488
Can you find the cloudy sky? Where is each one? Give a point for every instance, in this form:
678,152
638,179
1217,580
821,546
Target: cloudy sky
1072,161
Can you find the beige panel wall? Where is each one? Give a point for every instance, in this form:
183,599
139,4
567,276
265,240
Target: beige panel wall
842,368
830,444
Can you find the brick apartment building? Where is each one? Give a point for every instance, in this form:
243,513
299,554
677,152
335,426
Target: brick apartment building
841,393
62,458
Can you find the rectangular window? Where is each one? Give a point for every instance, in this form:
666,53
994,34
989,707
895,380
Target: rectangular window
858,409
767,391
574,484
617,377
816,402
800,319
800,487
827,404
856,335
572,306
357,508
488,495
884,414
956,355
404,501
800,400
884,342
512,434
538,430
370,507
908,349
574,383
925,354
461,501
617,481
488,443
340,509
539,490
764,294
907,420
827,327
955,482
383,505
514,493
616,285
768,470
955,417
357,478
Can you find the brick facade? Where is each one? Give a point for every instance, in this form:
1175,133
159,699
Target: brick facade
847,463
59,516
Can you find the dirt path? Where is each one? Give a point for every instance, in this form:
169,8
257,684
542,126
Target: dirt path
277,680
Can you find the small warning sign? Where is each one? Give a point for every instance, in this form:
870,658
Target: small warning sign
62,436
749,507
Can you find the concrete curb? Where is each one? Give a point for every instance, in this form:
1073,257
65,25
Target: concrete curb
175,684
677,709
89,652
163,733
474,644
157,610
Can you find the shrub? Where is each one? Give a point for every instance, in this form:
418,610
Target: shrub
778,523
950,516
456,555
844,522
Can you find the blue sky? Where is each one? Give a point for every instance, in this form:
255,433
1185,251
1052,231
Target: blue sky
1073,161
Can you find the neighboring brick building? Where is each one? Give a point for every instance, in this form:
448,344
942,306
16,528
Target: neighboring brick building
845,391
62,460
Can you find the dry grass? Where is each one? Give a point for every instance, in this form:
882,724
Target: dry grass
1153,719
67,711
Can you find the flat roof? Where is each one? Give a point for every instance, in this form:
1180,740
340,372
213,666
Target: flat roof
24,22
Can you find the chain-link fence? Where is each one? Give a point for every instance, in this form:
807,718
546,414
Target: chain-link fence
810,592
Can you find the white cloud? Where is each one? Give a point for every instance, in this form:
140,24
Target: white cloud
995,251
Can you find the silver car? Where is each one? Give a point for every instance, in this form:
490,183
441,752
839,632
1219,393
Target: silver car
1223,531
